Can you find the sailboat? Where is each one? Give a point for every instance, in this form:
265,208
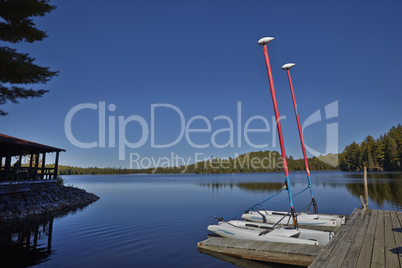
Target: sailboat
272,232
302,218
237,229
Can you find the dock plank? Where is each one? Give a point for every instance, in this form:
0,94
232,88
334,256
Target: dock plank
378,259
324,257
391,258
290,248
339,255
366,250
260,251
397,231
276,248
354,250
309,250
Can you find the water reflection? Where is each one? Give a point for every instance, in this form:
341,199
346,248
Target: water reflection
26,243
261,186
379,191
247,186
374,175
384,188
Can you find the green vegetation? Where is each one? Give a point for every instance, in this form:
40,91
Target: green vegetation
18,69
384,153
266,161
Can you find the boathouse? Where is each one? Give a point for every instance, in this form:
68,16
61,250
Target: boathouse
14,147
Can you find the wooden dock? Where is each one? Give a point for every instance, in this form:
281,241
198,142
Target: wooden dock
284,253
370,238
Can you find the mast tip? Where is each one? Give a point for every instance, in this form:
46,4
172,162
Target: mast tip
287,66
265,40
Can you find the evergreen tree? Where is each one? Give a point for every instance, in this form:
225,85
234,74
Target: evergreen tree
18,69
391,153
379,151
343,164
397,135
367,151
385,152
351,157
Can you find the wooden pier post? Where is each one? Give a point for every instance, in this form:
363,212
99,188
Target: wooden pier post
365,187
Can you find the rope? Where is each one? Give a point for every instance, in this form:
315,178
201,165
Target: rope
260,204
283,200
308,207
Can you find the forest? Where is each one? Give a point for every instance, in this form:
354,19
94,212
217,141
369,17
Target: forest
384,153
262,161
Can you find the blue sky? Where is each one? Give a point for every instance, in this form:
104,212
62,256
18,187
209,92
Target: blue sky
202,58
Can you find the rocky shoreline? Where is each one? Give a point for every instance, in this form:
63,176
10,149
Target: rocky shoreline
43,200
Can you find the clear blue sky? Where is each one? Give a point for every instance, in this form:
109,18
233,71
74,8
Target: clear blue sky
202,57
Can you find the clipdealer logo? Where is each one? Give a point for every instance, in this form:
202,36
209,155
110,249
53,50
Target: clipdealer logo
115,128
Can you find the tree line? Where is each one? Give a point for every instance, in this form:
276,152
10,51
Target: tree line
384,153
254,162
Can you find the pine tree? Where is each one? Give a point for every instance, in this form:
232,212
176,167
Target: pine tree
367,151
391,153
18,69
398,139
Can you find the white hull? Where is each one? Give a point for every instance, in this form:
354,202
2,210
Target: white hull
302,218
253,231
321,237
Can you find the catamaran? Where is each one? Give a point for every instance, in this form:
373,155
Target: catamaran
272,232
281,217
302,218
268,232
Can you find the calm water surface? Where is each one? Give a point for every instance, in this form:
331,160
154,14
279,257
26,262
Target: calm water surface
157,220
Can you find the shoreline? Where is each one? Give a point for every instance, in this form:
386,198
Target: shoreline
43,200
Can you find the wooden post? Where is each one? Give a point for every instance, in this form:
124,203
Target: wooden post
43,165
362,202
36,166
7,164
365,187
2,170
56,165
31,161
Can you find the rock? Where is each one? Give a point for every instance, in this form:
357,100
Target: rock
24,204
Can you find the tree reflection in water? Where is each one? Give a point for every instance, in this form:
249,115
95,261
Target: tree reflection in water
252,186
382,187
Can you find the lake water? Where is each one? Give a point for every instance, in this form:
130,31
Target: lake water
157,220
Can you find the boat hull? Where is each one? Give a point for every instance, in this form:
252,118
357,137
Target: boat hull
276,217
322,237
283,235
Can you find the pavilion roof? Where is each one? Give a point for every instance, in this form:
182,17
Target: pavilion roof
14,146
